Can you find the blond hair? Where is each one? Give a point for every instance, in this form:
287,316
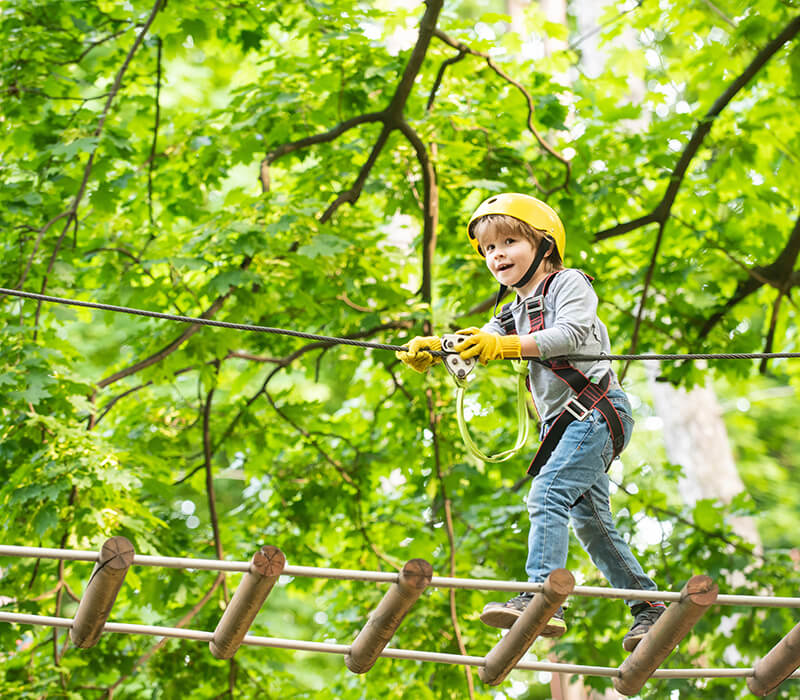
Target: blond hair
505,224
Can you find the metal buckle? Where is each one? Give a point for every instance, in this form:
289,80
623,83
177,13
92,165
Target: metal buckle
456,365
535,304
579,413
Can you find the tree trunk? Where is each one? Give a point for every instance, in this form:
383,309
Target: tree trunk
695,437
554,11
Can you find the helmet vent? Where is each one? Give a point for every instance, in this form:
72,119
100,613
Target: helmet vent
492,200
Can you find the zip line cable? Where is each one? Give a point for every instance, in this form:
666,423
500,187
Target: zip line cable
200,321
334,340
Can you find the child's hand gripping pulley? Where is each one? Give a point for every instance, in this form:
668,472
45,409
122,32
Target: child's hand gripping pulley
460,368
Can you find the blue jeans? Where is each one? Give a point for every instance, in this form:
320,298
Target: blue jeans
576,471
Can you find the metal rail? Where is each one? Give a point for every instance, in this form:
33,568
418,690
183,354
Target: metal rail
409,654
763,601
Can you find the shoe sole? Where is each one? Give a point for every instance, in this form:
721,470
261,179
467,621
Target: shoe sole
631,643
503,619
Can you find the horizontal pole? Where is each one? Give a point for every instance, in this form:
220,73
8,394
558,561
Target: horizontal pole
477,584
8,550
407,654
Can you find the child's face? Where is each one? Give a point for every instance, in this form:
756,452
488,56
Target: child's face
508,255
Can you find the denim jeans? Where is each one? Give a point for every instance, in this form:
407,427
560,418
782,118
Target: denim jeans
576,471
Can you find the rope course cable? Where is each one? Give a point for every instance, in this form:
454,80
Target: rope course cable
335,340
269,564
199,321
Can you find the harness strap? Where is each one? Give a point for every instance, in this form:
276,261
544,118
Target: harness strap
588,394
534,306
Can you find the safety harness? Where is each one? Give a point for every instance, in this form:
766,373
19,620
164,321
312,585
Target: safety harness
589,393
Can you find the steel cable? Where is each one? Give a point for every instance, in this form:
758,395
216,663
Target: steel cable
335,340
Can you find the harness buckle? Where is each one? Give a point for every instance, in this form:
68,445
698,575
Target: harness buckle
535,304
577,409
456,365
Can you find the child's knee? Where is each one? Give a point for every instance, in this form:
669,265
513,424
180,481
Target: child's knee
546,496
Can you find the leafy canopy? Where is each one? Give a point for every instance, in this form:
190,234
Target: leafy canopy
311,166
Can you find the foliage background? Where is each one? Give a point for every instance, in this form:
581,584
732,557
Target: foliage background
311,166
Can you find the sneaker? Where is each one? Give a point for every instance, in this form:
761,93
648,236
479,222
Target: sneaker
504,615
644,617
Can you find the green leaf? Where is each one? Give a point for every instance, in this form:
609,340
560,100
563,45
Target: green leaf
196,28
86,144
45,519
250,39
706,515
324,245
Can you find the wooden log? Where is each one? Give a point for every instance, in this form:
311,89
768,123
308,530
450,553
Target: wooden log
676,622
386,618
501,660
116,556
265,569
779,663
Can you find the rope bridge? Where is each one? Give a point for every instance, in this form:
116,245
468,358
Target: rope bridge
268,564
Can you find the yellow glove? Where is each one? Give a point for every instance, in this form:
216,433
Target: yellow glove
488,346
417,358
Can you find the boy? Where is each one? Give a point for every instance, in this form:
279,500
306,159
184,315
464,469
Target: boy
585,416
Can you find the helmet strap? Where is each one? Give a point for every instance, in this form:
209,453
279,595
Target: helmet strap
537,260
528,276
500,294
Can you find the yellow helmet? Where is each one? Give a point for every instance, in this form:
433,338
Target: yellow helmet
525,208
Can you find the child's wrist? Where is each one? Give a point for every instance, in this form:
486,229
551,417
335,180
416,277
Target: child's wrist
510,347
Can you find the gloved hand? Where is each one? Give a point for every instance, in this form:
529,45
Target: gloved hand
416,357
488,346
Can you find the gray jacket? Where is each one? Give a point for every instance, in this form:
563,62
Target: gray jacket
571,327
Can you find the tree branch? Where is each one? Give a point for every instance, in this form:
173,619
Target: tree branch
212,499
330,460
154,144
324,137
440,76
71,213
352,194
648,278
391,117
433,422
662,210
779,273
175,344
773,322
529,101
430,210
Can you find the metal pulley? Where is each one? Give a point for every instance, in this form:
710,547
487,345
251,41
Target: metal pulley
456,365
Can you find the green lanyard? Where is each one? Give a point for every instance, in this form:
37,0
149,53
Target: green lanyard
459,369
